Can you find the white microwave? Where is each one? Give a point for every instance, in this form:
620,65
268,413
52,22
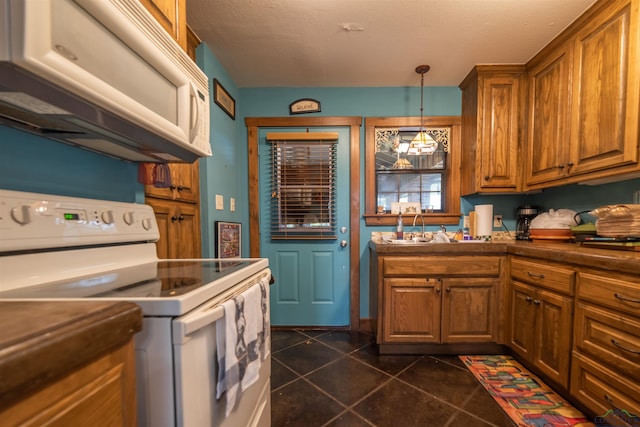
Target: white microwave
102,75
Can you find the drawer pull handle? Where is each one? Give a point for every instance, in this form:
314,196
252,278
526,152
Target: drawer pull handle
608,399
536,302
621,347
538,276
623,298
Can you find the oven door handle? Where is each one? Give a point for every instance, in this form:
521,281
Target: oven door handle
210,313
193,322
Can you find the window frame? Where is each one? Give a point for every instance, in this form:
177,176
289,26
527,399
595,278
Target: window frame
452,181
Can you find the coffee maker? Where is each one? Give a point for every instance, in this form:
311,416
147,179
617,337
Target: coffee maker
524,215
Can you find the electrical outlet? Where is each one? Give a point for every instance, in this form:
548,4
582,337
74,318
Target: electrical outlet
465,221
497,221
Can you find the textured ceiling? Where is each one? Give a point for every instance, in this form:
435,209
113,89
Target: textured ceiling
373,43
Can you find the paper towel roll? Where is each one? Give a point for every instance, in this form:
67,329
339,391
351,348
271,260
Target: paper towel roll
484,219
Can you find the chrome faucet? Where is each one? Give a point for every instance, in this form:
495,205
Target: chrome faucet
414,223
443,228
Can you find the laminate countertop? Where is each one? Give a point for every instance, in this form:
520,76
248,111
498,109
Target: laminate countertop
568,253
42,341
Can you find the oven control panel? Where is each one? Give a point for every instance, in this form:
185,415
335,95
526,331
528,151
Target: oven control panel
39,221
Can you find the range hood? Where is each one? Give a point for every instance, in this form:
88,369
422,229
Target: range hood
101,75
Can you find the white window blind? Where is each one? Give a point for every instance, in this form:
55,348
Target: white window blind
303,185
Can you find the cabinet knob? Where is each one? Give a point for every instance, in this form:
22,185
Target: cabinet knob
536,302
570,164
174,218
180,188
487,178
448,289
560,166
528,299
181,218
437,290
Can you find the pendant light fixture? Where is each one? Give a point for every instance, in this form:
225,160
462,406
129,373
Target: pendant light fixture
422,143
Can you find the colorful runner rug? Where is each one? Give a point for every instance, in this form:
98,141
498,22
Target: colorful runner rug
526,399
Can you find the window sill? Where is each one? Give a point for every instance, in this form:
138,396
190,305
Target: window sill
429,219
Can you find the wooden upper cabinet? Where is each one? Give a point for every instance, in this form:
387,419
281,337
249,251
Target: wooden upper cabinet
192,43
492,116
605,90
584,99
184,184
172,15
548,126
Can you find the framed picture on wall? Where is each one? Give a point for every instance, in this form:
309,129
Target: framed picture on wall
223,99
228,239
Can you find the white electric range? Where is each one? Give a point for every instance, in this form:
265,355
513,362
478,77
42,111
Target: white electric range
62,248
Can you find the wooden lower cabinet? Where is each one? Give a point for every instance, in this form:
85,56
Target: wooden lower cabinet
179,226
605,371
540,329
422,301
101,393
469,310
540,318
412,310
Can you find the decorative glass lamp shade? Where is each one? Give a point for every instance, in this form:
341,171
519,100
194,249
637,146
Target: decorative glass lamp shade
422,143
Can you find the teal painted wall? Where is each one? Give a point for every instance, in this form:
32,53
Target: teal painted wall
39,165
225,172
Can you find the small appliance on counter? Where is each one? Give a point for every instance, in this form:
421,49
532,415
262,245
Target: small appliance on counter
524,215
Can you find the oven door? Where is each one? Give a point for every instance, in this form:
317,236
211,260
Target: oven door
196,371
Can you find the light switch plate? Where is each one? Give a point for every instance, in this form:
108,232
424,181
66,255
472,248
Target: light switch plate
219,202
232,204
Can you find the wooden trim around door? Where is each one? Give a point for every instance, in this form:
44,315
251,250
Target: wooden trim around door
354,123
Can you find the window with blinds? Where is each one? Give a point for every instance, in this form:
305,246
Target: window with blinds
303,185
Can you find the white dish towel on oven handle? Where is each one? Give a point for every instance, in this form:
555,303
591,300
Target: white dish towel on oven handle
242,338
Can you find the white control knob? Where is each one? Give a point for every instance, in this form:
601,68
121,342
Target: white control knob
21,214
107,217
128,218
146,224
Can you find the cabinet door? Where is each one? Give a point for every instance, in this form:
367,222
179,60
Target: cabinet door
605,92
500,127
188,242
553,335
412,310
548,127
163,212
172,15
468,310
522,315
179,226
184,184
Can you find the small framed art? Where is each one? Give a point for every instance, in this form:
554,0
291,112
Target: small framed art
223,99
228,239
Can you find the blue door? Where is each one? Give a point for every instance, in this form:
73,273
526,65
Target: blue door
312,276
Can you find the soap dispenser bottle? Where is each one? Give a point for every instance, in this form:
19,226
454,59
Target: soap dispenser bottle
399,231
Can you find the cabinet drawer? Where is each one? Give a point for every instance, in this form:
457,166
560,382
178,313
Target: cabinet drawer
621,295
459,266
601,389
612,339
549,276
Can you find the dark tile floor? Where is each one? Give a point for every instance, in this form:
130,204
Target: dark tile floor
337,378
